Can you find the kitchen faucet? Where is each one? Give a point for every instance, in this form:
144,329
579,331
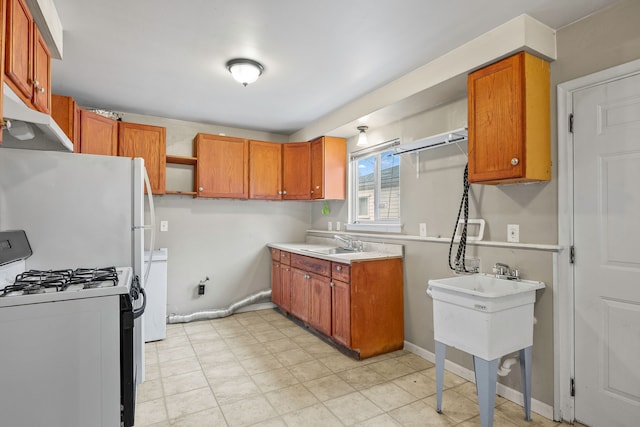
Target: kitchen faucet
503,271
356,245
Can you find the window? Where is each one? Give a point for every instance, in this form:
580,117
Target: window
375,188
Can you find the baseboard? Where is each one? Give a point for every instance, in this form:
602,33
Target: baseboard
508,393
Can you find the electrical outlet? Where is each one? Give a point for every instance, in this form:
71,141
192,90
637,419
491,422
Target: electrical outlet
329,226
423,229
164,225
337,225
513,233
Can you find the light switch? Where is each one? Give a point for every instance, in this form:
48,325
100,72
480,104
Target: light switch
513,233
423,229
164,225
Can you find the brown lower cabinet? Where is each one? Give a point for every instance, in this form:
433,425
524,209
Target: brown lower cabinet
359,305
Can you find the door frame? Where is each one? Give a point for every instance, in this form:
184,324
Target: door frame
564,309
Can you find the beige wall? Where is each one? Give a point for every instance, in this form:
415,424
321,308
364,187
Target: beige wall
600,41
220,239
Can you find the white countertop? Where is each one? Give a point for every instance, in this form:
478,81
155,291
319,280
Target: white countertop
306,249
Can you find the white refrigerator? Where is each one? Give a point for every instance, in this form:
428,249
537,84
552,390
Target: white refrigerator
77,211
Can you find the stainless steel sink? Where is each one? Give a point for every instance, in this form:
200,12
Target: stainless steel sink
332,251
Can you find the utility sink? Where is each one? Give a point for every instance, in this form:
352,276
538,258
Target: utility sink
332,251
483,315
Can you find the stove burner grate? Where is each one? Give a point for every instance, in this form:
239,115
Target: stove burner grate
40,281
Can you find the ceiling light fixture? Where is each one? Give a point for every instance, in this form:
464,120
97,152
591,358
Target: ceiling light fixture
244,70
362,138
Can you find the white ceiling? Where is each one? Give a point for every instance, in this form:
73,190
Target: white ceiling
167,58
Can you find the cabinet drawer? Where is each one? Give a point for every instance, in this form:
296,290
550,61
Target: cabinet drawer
275,254
340,272
314,265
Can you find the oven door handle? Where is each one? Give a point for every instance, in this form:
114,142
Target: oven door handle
136,291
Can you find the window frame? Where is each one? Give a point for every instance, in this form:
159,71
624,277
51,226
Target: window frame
391,225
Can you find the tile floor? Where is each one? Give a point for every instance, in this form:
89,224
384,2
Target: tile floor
261,369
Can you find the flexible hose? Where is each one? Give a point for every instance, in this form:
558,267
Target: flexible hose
220,312
462,245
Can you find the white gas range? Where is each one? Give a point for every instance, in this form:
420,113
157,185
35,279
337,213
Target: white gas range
67,342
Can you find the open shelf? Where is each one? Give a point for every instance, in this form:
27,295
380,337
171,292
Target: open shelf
182,160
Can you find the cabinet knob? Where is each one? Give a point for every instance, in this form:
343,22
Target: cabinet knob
35,83
338,267
284,192
514,161
311,191
317,187
306,276
280,192
331,284
283,255
200,189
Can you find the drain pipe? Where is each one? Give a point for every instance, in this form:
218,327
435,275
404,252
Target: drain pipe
220,312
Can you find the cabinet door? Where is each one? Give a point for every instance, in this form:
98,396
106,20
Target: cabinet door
329,168
66,113
276,284
98,134
317,169
223,166
341,313
285,284
300,294
148,142
320,303
496,116
296,171
19,52
41,73
265,170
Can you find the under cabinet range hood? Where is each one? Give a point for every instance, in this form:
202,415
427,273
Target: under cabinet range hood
440,140
32,129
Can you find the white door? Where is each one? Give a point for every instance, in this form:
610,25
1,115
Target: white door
607,242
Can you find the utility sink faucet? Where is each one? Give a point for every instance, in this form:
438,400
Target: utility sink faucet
503,271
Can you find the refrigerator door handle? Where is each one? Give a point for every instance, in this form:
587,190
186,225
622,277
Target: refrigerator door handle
152,226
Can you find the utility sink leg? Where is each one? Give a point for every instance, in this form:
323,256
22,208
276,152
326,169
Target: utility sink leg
486,376
440,352
525,372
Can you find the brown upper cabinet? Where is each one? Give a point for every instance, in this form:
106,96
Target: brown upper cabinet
328,168
223,166
509,121
98,134
27,58
296,171
149,143
66,113
265,170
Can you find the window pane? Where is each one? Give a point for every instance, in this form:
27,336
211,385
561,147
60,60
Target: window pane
389,199
375,191
365,187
